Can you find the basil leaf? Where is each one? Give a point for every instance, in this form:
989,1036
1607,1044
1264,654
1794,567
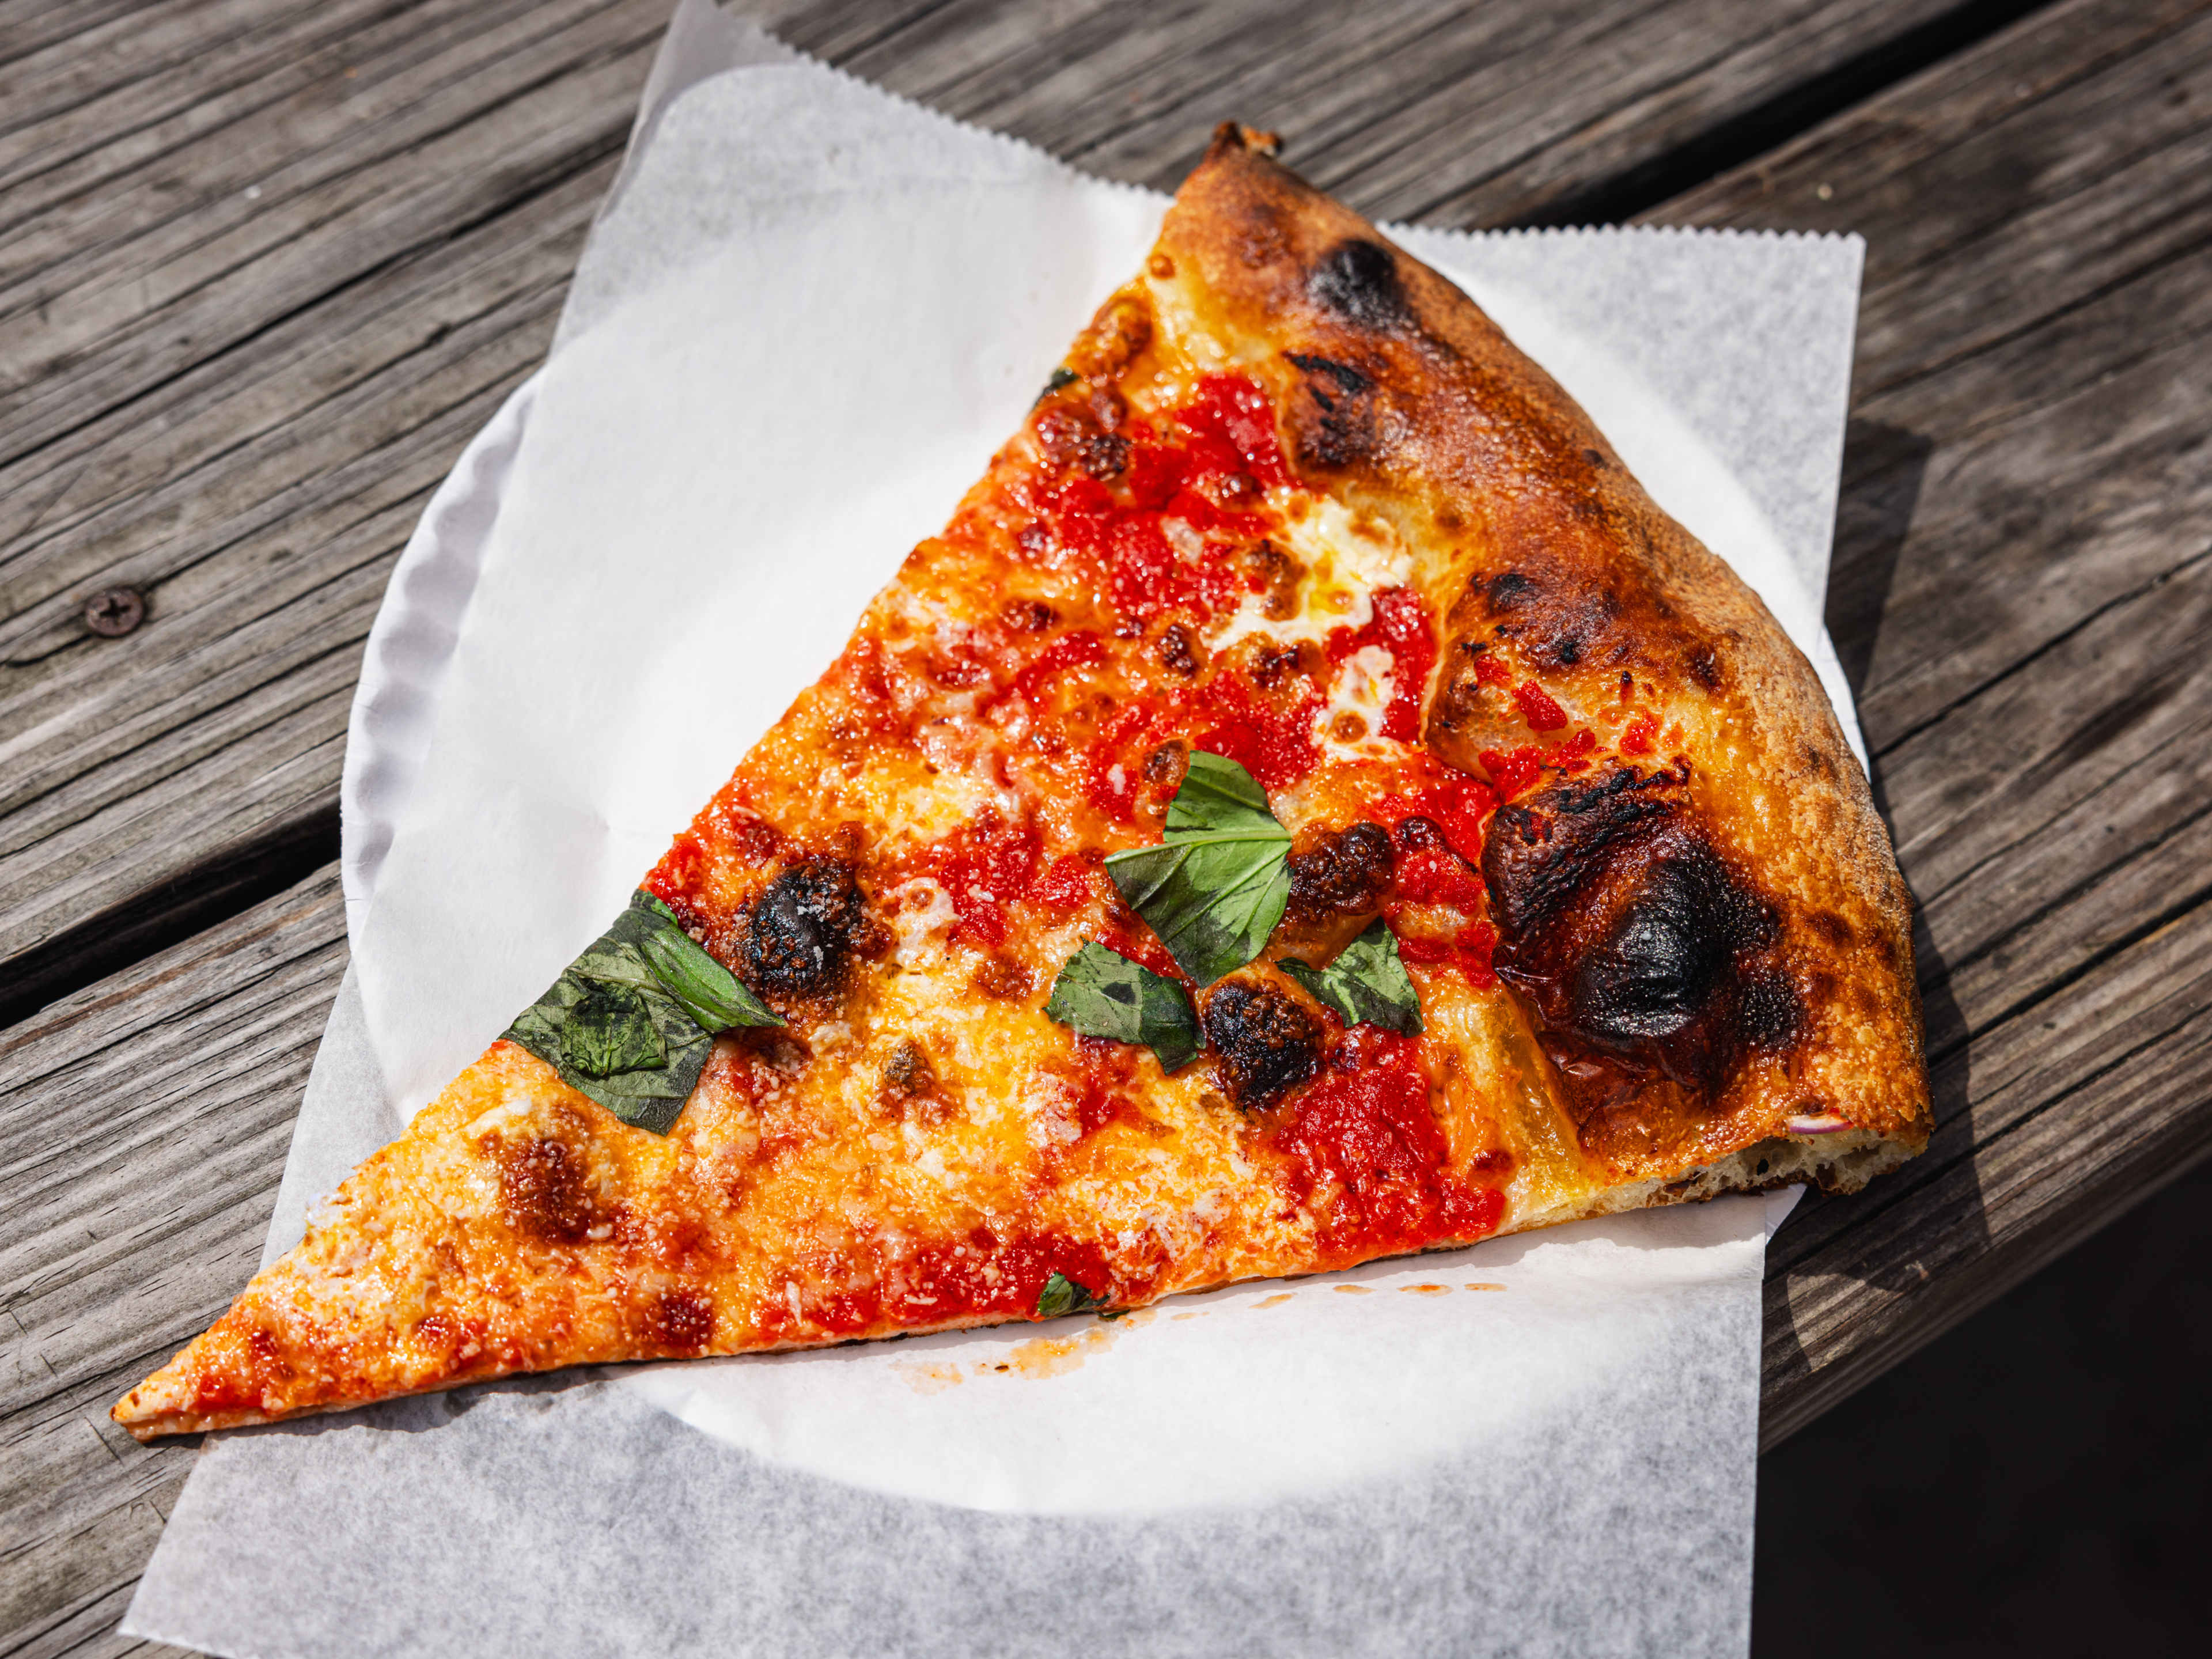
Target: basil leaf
610,1031
1062,1295
710,993
1219,797
650,1098
1215,886
1102,994
633,1019
1367,983
1060,377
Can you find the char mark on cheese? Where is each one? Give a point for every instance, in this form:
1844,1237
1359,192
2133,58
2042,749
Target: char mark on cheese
1357,282
1264,1043
1344,873
1177,652
1641,949
545,1188
1071,435
803,929
681,1321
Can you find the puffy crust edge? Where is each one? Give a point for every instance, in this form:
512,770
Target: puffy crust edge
1467,415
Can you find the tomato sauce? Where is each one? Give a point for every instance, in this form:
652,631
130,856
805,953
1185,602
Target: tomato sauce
1468,952
1065,885
984,1273
983,867
1512,772
1538,708
1231,428
1363,1143
1079,649
1402,626
1459,806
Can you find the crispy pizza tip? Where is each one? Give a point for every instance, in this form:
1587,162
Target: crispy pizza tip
1235,135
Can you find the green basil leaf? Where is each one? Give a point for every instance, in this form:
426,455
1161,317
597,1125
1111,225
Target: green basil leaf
1060,377
633,1019
1062,1295
1220,797
710,993
1216,885
1102,994
1367,983
610,1031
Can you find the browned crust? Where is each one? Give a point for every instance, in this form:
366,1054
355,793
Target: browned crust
1398,385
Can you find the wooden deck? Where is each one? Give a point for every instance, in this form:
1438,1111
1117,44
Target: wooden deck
264,268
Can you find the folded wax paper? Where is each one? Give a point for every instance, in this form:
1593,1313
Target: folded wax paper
806,316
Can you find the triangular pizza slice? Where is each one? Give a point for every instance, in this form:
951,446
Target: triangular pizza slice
1308,806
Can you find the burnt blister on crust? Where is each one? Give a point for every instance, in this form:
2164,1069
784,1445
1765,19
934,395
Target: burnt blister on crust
1334,425
1644,952
1357,282
1264,1043
803,930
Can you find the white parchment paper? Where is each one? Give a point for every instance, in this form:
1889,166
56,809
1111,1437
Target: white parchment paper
807,315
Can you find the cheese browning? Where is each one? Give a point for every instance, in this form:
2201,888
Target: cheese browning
1483,707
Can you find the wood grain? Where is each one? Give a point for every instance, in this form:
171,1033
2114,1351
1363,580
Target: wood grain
144,1122
2023,581
244,414
263,269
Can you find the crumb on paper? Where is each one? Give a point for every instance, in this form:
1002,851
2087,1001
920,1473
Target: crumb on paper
928,1379
1355,1290
1195,1313
1427,1289
1276,1301
1485,1287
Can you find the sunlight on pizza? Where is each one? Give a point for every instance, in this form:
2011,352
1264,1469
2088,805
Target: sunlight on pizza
1307,805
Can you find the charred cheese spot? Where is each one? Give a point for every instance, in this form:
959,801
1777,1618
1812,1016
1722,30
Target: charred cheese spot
1643,951
545,1188
1002,978
1122,328
910,1086
1342,873
1072,436
1177,650
1357,282
803,930
1277,577
908,1071
1165,766
682,1321
1264,1043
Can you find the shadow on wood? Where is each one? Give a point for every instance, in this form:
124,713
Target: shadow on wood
1883,466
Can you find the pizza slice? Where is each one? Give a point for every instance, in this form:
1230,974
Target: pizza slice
1308,806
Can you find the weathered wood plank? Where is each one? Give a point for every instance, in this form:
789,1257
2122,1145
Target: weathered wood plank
2044,174
213,396
2051,803
2023,581
1458,115
143,1129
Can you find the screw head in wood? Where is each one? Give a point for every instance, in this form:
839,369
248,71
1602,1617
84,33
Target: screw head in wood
114,613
